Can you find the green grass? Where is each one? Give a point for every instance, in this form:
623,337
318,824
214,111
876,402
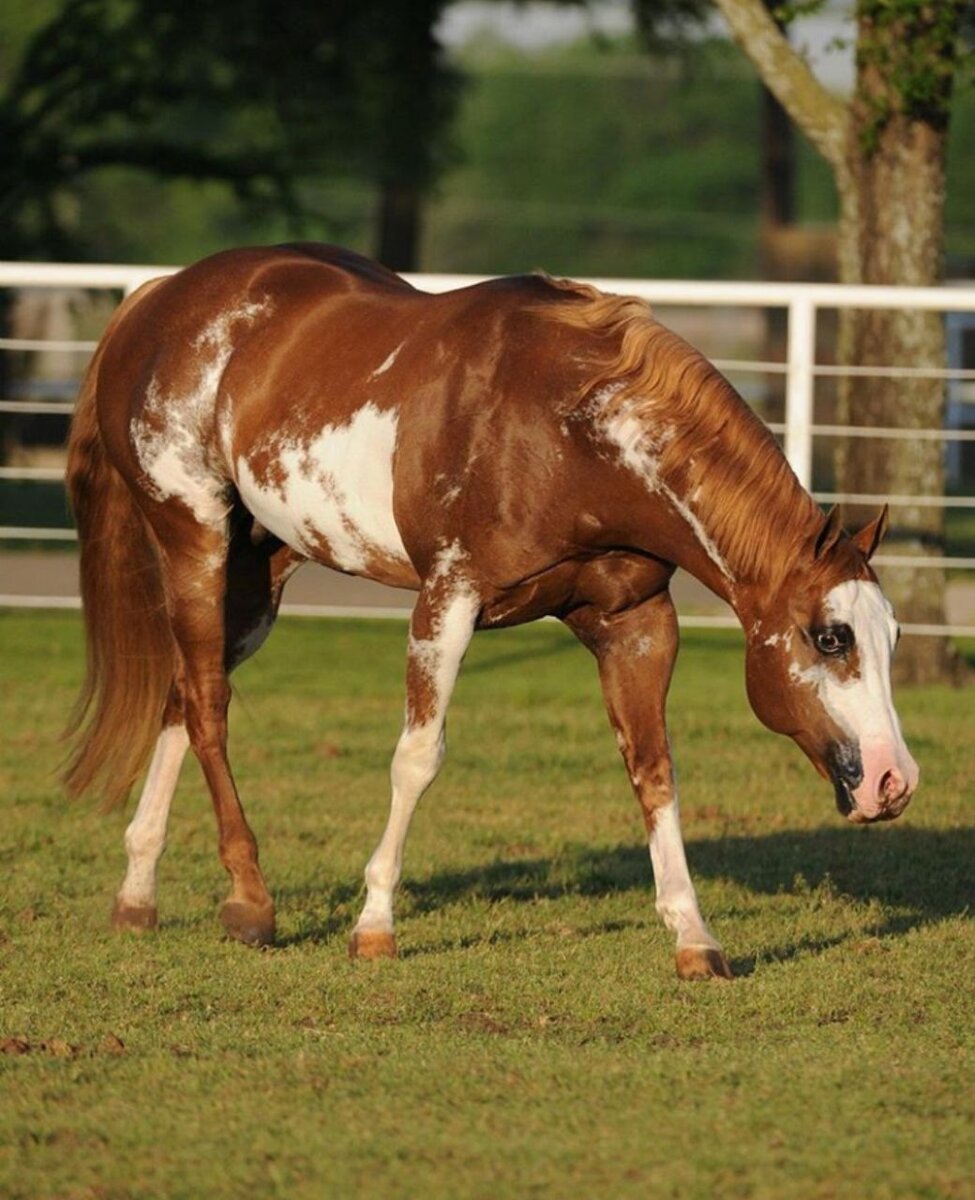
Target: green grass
532,1039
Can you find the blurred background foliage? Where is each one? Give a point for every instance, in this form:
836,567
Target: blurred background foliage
159,131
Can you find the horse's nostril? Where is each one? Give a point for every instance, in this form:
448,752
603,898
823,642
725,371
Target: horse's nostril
892,786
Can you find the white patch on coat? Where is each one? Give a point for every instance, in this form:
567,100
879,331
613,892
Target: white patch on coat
448,491
784,638
637,645
387,362
457,611
420,749
699,531
676,898
336,488
447,561
440,655
639,450
172,435
145,838
225,432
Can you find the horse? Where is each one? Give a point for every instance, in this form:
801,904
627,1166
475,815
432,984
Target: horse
521,448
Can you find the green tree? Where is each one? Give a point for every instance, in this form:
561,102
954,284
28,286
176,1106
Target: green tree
264,96
269,98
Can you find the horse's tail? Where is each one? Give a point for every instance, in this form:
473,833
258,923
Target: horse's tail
130,650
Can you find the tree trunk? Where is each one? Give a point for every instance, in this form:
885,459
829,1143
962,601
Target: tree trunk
399,226
778,166
892,193
777,193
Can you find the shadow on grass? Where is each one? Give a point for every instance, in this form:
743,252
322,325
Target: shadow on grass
925,875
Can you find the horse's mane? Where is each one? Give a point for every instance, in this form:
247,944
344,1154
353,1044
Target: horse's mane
749,500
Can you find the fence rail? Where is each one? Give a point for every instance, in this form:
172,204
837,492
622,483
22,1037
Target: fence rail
802,303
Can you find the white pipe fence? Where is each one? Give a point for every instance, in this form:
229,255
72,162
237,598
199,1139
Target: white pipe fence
803,304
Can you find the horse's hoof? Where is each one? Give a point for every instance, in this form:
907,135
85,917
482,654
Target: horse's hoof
252,924
134,918
702,962
371,943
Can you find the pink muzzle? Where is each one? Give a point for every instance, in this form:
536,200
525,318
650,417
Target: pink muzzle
890,778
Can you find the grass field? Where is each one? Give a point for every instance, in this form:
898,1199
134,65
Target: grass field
532,1040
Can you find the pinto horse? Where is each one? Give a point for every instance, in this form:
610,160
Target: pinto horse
520,448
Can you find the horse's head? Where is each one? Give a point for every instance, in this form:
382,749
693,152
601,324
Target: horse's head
818,669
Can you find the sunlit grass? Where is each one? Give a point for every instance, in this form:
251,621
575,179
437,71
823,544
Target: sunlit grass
531,1040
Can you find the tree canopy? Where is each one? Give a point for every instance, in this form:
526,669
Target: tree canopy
259,94
263,96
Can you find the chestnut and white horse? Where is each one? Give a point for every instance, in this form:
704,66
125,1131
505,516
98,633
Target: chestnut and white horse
519,448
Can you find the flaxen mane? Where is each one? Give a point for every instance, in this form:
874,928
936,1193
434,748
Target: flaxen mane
716,451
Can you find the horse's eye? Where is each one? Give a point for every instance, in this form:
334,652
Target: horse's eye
834,639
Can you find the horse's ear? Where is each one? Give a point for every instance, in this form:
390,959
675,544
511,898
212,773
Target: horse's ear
830,533
872,534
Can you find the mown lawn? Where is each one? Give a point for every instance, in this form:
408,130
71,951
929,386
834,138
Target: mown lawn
532,1039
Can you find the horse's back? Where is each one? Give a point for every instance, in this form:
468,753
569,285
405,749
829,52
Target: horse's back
350,411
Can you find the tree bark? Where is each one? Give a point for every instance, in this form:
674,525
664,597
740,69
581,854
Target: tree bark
893,195
399,226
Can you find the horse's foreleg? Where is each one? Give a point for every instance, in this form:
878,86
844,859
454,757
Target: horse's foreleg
635,651
440,632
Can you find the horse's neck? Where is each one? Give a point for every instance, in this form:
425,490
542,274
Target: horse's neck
728,510
713,491
744,540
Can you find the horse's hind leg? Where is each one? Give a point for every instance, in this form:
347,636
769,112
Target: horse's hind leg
145,838
195,562
440,632
635,651
255,576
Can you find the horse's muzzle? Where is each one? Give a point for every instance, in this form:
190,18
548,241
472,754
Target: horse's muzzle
846,771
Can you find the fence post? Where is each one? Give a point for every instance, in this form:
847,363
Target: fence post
799,387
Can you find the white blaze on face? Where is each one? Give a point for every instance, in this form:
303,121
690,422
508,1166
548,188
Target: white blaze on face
864,706
336,487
